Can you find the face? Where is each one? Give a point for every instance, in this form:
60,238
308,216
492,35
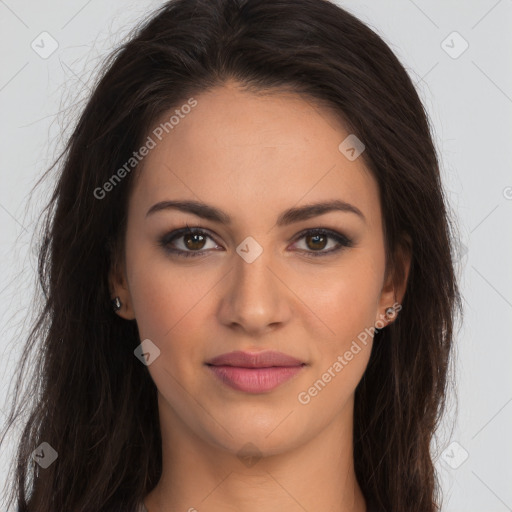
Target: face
253,278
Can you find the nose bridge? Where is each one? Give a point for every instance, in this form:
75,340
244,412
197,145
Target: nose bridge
255,296
252,278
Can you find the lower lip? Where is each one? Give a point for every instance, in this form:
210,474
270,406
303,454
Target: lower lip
255,380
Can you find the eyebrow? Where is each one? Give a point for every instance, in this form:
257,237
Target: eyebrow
287,217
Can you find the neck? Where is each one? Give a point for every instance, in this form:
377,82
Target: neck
317,474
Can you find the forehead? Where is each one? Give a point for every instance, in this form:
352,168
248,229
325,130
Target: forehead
241,151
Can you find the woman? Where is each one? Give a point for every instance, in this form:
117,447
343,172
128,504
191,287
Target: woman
248,276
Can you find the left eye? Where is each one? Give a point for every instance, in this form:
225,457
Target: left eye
317,239
193,240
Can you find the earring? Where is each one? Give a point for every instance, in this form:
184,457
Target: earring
116,304
390,312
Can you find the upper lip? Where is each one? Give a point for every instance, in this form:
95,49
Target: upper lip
265,359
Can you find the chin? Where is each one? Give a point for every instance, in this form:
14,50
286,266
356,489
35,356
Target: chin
247,440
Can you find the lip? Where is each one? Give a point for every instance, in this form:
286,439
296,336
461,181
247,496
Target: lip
264,359
255,372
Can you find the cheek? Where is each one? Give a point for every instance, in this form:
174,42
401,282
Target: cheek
347,306
346,300
165,307
161,295
169,311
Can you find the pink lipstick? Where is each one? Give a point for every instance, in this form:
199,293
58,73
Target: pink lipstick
256,372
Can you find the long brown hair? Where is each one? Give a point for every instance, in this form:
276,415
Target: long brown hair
89,397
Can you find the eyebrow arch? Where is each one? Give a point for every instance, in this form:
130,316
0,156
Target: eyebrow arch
289,216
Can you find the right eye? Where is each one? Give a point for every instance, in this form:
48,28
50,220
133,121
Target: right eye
191,242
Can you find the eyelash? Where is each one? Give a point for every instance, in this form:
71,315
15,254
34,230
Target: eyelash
343,241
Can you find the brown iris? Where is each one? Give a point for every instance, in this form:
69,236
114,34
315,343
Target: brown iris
316,239
191,239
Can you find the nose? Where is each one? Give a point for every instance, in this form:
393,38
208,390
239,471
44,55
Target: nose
255,299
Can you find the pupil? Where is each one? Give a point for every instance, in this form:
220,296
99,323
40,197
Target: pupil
317,237
190,244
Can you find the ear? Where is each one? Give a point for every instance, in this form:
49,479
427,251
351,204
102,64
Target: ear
118,283
395,281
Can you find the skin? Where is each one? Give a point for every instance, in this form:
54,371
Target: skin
254,156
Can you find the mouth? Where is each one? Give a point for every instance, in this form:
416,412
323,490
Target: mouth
258,372
266,359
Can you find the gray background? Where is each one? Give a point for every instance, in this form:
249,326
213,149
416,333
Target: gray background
469,98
